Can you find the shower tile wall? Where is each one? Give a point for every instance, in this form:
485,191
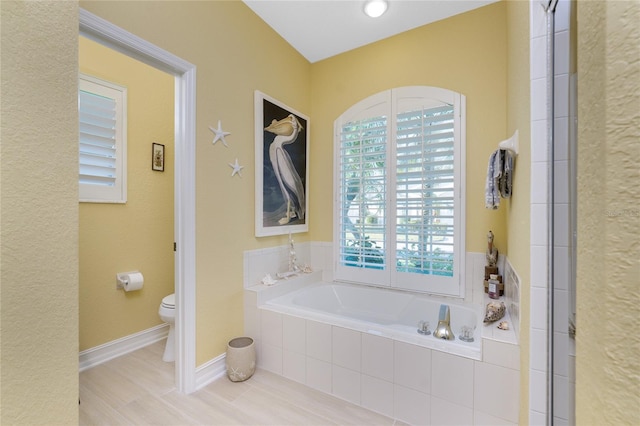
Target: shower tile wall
539,197
564,362
564,352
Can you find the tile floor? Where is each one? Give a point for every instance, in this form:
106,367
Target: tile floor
137,389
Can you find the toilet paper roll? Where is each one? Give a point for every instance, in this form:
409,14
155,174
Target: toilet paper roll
133,281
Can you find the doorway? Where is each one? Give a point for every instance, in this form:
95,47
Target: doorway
109,35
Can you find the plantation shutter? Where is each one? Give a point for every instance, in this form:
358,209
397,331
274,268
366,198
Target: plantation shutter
425,190
97,139
399,191
102,144
363,188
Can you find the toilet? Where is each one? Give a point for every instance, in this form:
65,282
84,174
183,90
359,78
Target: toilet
167,314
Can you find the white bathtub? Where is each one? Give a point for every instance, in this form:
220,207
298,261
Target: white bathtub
383,312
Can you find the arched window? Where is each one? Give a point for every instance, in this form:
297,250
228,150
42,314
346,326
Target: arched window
399,191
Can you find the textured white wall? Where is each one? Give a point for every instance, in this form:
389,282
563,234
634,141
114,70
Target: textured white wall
39,220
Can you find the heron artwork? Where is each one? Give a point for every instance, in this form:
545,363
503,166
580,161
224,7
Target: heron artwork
287,131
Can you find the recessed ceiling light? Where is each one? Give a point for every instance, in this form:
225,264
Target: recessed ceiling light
375,8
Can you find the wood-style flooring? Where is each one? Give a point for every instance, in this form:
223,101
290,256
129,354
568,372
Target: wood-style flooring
138,389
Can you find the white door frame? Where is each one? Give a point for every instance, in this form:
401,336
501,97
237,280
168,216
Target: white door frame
106,33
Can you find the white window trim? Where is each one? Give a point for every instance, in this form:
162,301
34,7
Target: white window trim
118,193
449,286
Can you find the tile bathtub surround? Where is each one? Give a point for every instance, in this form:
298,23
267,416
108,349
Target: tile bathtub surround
319,255
258,263
410,383
512,296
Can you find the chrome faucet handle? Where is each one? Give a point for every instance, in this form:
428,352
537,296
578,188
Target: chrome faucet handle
423,328
466,333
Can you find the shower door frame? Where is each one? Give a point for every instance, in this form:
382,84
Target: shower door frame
114,37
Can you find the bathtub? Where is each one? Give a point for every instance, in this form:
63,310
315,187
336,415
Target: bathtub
383,312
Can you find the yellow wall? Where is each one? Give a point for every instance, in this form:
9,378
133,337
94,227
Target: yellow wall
137,235
39,248
467,54
607,368
518,206
39,225
231,64
235,53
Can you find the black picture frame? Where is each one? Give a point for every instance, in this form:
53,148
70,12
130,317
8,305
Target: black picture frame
157,157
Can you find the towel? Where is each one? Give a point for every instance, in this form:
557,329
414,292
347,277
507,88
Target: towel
491,193
499,178
507,173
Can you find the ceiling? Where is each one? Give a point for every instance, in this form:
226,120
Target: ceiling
319,29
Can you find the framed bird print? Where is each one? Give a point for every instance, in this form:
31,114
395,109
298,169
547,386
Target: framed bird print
157,157
282,168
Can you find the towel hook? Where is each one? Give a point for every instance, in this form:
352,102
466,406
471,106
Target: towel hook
511,144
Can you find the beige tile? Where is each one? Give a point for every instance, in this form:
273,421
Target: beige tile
113,388
95,411
146,369
224,389
207,409
138,389
270,409
152,410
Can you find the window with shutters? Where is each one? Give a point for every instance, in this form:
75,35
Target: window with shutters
399,191
103,141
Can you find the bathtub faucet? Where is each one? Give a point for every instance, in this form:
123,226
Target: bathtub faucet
443,330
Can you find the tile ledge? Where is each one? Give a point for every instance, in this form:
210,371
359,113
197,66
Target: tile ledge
492,332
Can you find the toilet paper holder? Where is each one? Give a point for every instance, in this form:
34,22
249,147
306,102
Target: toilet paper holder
122,279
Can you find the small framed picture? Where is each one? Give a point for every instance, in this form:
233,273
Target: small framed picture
157,157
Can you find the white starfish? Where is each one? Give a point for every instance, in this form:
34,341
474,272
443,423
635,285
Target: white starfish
237,375
219,134
236,168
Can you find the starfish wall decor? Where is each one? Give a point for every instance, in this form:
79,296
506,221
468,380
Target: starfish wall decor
236,168
219,134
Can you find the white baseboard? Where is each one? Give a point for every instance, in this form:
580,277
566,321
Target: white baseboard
210,371
110,350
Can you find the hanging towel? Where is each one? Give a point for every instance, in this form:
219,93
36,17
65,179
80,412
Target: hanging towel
491,192
507,173
499,178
